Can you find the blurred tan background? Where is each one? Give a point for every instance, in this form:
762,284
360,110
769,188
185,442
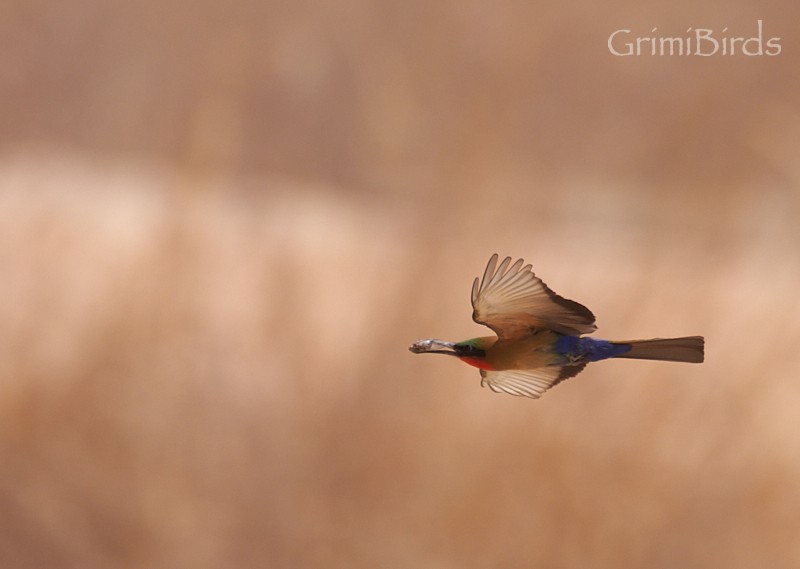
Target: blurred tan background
222,224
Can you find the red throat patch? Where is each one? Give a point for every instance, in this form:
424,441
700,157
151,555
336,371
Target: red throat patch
477,362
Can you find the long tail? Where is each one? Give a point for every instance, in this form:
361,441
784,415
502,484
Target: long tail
688,349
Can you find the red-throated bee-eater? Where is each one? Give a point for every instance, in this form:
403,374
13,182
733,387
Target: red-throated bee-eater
539,342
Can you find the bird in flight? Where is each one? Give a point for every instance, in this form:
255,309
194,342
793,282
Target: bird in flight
539,340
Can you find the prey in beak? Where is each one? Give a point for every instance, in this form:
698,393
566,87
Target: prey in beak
433,346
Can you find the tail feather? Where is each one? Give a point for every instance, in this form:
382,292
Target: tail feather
689,349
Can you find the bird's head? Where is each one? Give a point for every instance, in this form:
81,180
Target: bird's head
471,351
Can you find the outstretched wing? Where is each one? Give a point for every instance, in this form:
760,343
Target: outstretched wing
528,382
511,300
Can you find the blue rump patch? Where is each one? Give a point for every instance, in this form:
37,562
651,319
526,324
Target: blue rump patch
588,349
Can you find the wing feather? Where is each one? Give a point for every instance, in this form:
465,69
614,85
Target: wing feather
528,382
512,301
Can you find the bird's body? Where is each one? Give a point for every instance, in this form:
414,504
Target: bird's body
539,338
527,353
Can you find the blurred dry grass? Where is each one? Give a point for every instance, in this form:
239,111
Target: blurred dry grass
221,226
